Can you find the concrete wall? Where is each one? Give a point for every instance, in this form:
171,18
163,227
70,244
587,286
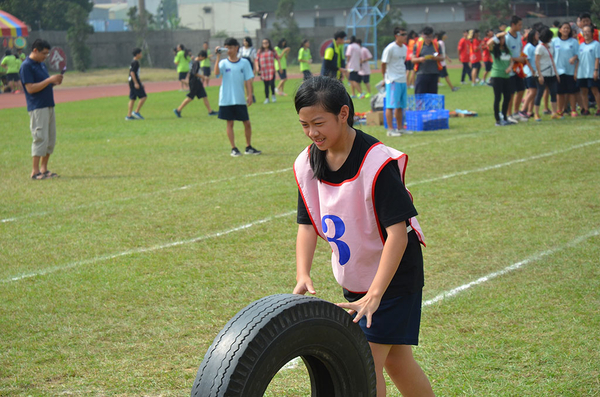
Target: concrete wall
113,49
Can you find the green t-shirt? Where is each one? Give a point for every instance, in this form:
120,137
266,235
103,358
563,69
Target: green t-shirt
183,63
500,65
12,63
205,63
304,54
282,63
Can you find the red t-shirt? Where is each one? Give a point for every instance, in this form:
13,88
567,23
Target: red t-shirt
464,49
487,57
475,50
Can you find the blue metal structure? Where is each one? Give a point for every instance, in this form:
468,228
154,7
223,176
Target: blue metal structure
366,16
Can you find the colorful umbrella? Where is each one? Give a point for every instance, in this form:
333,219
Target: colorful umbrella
11,26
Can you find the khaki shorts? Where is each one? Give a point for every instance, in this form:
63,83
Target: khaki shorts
43,131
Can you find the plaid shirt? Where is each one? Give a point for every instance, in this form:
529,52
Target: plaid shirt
266,63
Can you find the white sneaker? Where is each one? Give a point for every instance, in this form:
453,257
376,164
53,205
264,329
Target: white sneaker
266,101
405,132
273,99
512,120
394,133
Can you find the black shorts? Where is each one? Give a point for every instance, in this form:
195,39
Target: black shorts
476,65
517,84
488,66
12,76
183,75
567,85
588,83
530,82
197,90
354,76
397,321
426,84
234,112
409,65
365,78
282,74
136,92
206,70
444,72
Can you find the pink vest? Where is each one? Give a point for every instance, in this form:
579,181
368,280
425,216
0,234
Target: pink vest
344,215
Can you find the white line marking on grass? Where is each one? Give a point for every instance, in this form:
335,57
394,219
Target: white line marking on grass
508,269
98,203
496,166
144,250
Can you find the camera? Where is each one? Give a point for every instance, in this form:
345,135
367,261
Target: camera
223,50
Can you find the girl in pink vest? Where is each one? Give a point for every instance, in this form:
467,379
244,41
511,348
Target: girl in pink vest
352,194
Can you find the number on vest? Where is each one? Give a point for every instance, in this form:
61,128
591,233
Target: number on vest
340,229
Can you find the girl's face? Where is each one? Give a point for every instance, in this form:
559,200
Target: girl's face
307,44
565,31
245,43
265,44
587,33
325,129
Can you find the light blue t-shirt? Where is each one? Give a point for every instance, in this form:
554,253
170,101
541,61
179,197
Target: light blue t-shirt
563,51
514,45
234,75
529,51
587,59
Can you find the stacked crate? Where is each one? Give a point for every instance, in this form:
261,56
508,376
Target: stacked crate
424,112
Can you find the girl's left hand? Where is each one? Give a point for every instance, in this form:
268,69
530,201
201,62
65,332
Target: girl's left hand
365,306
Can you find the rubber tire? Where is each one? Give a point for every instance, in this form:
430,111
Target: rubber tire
259,340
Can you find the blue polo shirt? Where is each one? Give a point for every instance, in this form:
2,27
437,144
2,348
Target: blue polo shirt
36,72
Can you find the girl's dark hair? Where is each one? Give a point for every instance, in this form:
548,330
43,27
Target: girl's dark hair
261,49
531,37
546,35
182,47
440,35
280,43
248,40
304,42
136,51
498,49
203,53
570,30
331,95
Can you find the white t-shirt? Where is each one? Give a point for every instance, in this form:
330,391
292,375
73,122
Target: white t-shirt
353,57
546,68
394,57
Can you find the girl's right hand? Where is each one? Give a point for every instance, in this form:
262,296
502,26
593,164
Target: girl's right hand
541,79
303,286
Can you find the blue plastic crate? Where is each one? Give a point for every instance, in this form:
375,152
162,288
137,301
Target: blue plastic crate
427,121
424,102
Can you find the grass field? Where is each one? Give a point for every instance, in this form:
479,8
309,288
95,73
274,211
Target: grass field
117,276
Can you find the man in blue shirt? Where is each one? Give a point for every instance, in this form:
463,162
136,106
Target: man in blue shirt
37,84
233,105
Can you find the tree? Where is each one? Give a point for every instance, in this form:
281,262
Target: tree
44,14
288,28
168,15
385,28
77,35
140,24
495,12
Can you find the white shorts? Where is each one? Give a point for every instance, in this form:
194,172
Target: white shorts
43,131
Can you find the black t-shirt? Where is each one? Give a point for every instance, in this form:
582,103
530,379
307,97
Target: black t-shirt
194,73
392,204
135,68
